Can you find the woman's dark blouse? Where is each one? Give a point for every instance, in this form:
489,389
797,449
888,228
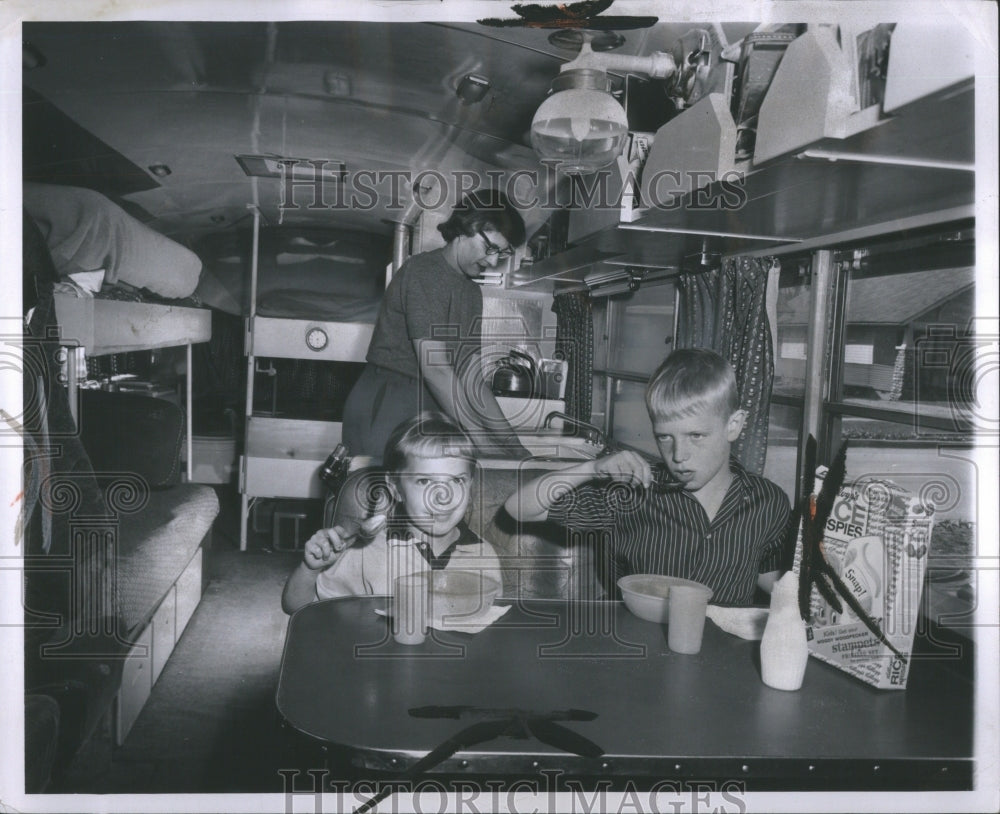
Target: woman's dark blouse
427,299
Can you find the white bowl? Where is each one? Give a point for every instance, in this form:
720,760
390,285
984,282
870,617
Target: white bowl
461,593
646,595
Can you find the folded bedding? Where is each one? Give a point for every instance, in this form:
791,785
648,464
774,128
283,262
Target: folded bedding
87,232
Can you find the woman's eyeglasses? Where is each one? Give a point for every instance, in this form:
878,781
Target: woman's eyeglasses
493,249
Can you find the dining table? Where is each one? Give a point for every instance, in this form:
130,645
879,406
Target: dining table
586,689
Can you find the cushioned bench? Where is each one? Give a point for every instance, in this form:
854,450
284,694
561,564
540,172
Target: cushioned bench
119,600
159,583
112,546
156,544
114,575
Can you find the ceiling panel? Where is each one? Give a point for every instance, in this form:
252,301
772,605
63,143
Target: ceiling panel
379,96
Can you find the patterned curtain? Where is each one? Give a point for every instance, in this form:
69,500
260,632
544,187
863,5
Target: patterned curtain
725,309
575,344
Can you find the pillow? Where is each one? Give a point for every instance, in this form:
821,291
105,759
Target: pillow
125,432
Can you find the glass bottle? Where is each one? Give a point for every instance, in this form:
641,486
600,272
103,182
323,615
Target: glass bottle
784,650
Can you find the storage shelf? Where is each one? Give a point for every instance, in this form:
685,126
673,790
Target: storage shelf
800,202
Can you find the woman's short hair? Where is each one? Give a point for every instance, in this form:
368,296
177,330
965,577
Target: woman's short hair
427,435
692,381
482,209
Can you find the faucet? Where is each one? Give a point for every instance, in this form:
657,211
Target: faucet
593,434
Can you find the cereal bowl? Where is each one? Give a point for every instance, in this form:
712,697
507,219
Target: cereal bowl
647,595
461,593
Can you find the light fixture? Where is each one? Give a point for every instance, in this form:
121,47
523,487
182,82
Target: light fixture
581,126
627,287
615,280
472,88
605,276
706,257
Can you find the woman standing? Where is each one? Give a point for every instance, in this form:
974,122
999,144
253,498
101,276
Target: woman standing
426,348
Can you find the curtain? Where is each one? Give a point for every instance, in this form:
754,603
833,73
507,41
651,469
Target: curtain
725,309
575,344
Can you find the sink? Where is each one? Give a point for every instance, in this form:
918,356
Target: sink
560,447
549,450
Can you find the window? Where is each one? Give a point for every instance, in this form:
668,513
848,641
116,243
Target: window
642,331
908,408
633,333
631,425
792,330
907,372
907,375
902,379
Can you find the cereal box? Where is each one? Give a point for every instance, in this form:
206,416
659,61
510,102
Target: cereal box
877,540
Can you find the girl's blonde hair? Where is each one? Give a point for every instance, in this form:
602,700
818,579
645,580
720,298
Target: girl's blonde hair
427,435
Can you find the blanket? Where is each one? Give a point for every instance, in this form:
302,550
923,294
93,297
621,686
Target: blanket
86,231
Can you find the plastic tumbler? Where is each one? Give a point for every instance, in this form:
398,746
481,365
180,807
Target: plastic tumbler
410,608
688,603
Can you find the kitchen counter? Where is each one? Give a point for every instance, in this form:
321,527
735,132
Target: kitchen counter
550,449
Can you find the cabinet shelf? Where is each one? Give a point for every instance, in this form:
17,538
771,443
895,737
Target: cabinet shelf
913,168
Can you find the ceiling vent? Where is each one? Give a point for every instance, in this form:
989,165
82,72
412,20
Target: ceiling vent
296,169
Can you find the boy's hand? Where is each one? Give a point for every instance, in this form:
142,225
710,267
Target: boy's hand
627,467
322,548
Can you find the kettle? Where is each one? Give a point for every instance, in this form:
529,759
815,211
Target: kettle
515,375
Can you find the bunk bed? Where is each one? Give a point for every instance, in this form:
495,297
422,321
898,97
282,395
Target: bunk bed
309,297
129,538
92,239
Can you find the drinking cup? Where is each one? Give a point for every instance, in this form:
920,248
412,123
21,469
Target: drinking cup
687,603
410,608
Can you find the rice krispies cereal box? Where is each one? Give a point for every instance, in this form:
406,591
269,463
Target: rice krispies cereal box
877,539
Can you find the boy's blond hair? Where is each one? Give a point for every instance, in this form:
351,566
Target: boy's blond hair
691,381
427,435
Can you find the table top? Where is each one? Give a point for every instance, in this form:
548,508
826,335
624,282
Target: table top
345,682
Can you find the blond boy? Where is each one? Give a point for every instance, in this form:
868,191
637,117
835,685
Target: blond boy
702,516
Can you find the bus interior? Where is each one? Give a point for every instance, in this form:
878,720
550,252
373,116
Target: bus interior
224,202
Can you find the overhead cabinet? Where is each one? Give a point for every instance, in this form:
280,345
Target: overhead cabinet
824,170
